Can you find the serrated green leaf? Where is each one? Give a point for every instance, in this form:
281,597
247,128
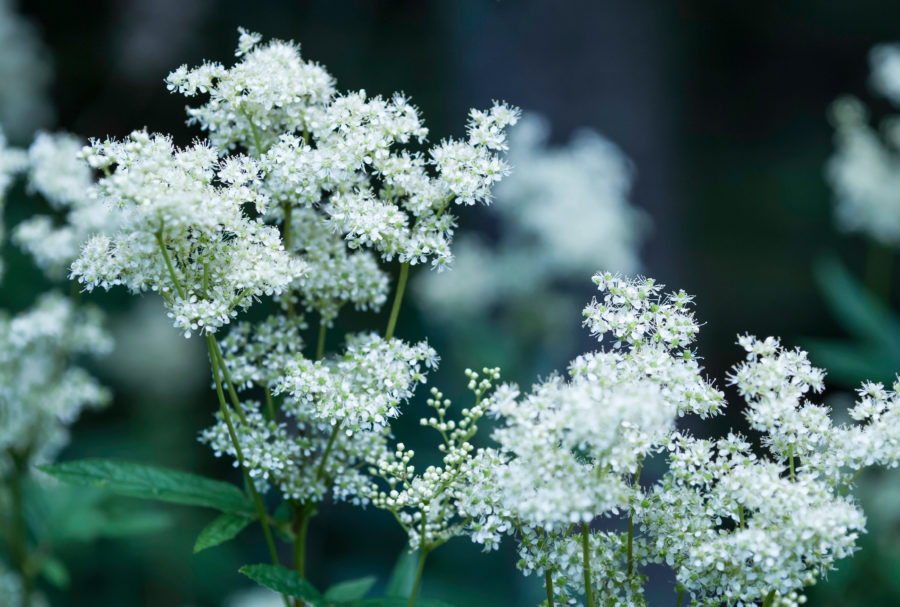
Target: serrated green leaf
54,571
351,590
136,522
403,575
152,482
285,581
222,528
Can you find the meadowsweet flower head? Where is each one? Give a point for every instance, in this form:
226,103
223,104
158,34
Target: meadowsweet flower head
41,391
362,389
267,93
335,411
183,231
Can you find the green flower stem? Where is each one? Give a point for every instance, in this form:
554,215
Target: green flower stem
257,500
334,433
288,211
423,554
586,557
680,599
548,584
791,460
220,360
165,254
849,484
398,297
302,515
320,346
637,479
270,404
256,141
770,599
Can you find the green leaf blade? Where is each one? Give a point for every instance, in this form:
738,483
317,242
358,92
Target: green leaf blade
222,528
284,581
152,482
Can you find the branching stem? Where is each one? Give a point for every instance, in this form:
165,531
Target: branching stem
226,416
586,558
398,298
423,554
548,584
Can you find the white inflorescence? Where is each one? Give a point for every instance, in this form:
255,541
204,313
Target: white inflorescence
337,409
342,175
58,173
346,155
184,231
363,388
41,391
736,527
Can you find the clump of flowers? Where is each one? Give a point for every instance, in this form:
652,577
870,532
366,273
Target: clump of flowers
300,193
64,180
737,527
41,390
183,230
345,178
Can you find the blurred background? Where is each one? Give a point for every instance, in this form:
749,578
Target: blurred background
719,113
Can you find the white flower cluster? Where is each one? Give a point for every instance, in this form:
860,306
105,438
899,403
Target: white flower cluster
266,94
562,213
336,275
863,171
41,391
336,410
256,354
738,528
343,156
304,458
362,389
426,504
57,172
183,230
